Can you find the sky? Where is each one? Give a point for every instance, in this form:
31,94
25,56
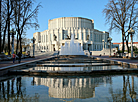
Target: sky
91,9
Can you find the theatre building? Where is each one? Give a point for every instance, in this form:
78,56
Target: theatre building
60,30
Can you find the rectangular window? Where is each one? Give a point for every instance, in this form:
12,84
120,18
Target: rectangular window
46,38
94,38
65,33
91,37
86,36
82,36
78,35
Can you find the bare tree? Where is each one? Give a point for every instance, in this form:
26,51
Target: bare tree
25,17
122,15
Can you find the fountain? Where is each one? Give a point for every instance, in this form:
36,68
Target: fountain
71,48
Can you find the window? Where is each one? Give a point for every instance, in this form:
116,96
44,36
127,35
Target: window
46,38
65,33
91,37
94,38
82,36
78,35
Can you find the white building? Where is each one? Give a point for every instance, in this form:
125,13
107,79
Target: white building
120,45
60,30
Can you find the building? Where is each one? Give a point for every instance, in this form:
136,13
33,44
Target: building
60,30
120,45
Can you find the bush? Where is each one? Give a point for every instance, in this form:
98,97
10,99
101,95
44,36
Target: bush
119,51
136,52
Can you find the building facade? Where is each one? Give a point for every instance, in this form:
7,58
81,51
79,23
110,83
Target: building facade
120,45
60,31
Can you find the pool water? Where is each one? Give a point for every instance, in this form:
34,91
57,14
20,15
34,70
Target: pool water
117,88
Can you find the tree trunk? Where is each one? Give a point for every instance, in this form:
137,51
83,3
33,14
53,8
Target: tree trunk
0,29
20,43
4,36
17,44
123,42
127,43
8,28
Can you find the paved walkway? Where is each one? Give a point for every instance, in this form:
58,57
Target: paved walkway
9,63
37,57
134,61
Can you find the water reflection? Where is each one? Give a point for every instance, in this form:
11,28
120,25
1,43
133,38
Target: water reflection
107,88
12,90
75,68
72,87
127,94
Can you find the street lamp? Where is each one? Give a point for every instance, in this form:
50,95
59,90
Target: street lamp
103,43
12,32
109,40
33,40
131,31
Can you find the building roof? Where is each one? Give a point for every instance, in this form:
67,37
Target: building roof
73,17
116,43
125,43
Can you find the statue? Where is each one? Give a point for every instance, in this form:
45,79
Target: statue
55,37
87,37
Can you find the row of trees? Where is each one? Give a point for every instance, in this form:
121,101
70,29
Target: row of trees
17,14
122,15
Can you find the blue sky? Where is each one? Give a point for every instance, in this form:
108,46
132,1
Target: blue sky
91,9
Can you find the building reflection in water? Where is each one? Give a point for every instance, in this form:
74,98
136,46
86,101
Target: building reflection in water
74,68
72,87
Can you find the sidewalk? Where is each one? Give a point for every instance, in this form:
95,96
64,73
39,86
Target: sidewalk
123,60
117,59
37,57
131,63
9,63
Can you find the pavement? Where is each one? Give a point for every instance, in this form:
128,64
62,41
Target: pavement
38,56
133,61
47,55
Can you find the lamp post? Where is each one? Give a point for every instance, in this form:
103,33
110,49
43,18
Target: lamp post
12,32
103,43
131,31
33,40
109,40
